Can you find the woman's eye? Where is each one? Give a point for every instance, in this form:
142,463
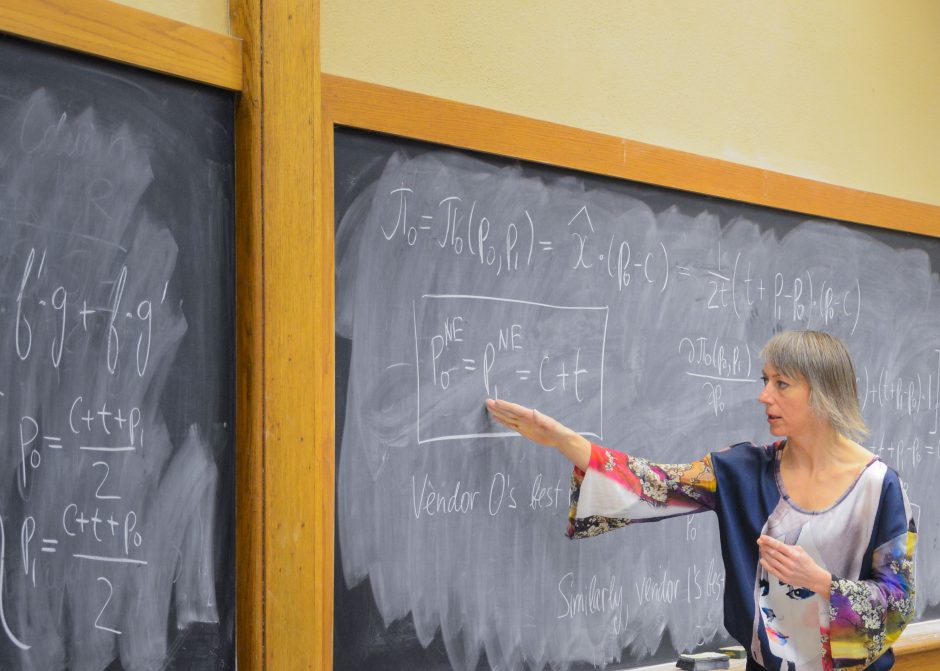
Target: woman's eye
799,593
764,379
782,385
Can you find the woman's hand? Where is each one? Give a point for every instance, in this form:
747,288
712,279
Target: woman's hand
792,565
542,429
529,422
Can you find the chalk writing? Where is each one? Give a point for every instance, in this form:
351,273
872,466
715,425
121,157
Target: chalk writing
634,316
595,598
113,408
455,352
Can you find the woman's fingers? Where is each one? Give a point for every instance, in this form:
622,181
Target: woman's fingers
509,413
792,565
772,545
532,424
507,409
767,566
774,566
786,556
772,554
503,418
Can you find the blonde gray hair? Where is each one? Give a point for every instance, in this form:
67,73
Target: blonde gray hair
823,361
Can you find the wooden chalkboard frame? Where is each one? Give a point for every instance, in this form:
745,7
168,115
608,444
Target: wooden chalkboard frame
366,106
126,35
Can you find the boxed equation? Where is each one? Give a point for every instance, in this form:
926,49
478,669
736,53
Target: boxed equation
469,348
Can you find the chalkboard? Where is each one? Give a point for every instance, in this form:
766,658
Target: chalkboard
117,360
633,313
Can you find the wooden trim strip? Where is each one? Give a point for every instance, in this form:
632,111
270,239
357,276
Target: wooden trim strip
249,347
914,651
128,35
298,347
919,637
413,115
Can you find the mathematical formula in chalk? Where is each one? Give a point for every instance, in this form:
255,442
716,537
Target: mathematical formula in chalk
57,320
464,355
507,243
44,307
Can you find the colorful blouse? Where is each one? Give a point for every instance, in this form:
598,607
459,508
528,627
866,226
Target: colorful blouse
865,540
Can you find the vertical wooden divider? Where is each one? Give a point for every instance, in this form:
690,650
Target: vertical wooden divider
285,345
249,351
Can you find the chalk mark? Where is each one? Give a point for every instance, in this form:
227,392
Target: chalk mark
49,229
3,617
96,448
719,378
510,300
500,434
112,560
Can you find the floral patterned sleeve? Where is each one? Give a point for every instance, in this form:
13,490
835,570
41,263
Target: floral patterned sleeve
618,489
867,616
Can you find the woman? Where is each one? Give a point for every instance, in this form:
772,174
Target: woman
816,532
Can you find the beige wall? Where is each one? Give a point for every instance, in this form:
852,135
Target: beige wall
208,14
843,91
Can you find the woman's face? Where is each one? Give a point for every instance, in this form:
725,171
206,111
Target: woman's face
786,400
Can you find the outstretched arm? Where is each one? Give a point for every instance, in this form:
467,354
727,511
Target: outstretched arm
610,489
542,429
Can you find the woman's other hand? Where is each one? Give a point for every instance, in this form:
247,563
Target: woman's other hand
542,429
792,565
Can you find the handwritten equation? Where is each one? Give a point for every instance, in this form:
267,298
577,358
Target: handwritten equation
471,347
507,243
716,364
95,528
35,302
58,322
915,398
